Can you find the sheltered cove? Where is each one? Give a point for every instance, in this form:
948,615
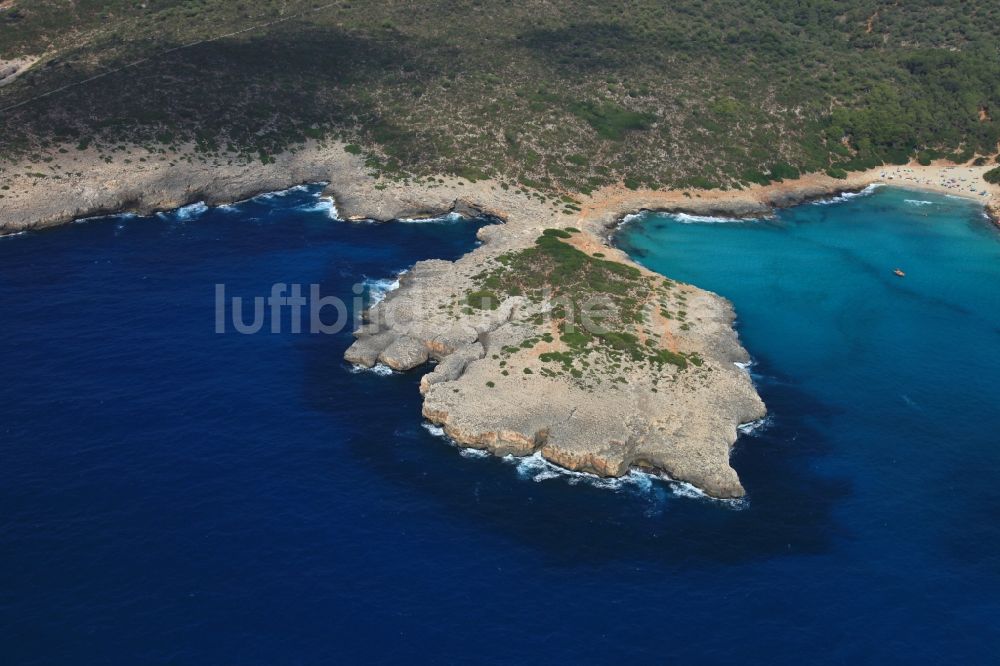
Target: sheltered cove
662,392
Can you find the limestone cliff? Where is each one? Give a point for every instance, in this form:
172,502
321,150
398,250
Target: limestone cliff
657,386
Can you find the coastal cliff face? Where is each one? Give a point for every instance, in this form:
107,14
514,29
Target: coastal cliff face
69,183
655,386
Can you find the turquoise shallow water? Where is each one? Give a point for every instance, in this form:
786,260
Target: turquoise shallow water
887,386
173,495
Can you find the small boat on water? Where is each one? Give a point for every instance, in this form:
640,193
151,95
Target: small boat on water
899,272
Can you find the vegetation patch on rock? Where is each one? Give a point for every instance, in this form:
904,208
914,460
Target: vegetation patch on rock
596,315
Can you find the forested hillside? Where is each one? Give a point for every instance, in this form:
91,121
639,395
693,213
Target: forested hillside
550,94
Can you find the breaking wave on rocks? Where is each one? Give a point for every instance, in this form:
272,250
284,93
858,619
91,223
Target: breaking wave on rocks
754,428
690,218
277,194
322,205
379,288
117,216
450,217
847,196
464,451
379,369
435,430
629,219
537,469
185,213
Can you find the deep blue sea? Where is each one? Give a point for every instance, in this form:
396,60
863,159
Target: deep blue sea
169,494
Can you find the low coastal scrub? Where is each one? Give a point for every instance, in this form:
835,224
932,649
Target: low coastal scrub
992,176
597,309
610,120
649,94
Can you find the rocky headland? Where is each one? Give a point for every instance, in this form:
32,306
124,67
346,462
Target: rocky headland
545,338
547,341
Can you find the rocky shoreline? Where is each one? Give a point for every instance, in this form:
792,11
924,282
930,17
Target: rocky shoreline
496,387
663,391
72,184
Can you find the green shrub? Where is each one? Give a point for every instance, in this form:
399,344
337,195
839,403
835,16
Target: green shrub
576,338
483,300
610,120
556,233
783,170
755,176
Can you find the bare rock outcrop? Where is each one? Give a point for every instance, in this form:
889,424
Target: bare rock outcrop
405,353
508,382
11,69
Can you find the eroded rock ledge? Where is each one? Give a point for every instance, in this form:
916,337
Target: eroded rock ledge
616,414
656,388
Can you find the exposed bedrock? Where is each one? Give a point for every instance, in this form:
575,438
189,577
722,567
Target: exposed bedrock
496,387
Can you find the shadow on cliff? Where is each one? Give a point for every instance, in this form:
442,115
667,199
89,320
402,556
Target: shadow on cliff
789,511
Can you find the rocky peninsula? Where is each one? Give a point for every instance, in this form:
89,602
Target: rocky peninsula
545,338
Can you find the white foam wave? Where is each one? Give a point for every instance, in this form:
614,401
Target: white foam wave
753,428
463,451
380,288
189,212
435,430
13,234
537,469
450,217
918,202
847,196
323,204
268,196
114,216
685,489
379,369
688,218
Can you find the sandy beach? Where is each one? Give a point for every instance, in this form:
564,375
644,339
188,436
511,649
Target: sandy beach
963,181
575,433
71,184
